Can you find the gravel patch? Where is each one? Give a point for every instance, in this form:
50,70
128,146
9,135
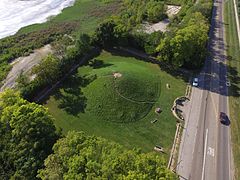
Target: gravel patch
24,65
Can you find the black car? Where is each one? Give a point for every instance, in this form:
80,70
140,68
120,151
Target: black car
224,118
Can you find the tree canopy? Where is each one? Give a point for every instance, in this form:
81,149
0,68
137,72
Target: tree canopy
78,156
48,70
27,136
188,46
137,11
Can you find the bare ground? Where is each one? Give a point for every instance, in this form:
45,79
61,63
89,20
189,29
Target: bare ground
24,65
162,25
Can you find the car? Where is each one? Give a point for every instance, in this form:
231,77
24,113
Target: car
223,118
228,84
195,82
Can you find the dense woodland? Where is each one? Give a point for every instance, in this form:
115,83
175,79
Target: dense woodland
27,130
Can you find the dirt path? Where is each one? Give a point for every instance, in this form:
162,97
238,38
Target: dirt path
24,65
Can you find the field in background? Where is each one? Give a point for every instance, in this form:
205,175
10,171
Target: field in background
119,109
234,76
87,14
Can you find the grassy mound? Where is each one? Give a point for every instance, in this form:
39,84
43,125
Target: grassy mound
119,109
124,99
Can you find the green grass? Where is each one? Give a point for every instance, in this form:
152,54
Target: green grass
94,102
86,13
234,75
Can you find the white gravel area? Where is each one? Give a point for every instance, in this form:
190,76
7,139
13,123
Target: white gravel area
162,25
173,10
24,65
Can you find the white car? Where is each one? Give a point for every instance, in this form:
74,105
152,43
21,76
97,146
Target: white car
195,82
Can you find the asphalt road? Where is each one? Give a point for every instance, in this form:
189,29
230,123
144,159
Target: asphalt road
205,151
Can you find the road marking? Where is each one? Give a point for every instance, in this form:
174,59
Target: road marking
210,151
214,104
204,155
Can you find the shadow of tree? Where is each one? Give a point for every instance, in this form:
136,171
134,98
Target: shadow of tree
70,96
234,78
139,55
97,64
73,101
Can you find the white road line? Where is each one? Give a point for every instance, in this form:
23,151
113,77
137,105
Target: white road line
237,20
230,157
204,156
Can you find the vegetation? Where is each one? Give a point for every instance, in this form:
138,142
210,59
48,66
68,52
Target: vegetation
83,17
85,13
183,46
136,11
89,101
90,157
53,67
112,95
27,136
23,44
188,46
234,76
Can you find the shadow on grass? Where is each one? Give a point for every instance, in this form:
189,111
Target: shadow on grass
139,55
234,78
97,64
70,96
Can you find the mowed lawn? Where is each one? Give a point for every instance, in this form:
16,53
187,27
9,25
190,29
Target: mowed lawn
87,14
234,77
119,108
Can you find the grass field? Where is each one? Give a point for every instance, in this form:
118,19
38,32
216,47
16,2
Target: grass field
121,108
86,13
234,75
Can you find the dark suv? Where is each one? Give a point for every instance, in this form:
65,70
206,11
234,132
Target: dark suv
224,118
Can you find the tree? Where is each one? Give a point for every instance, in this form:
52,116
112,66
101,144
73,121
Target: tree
48,70
111,32
104,34
83,44
27,136
188,46
22,81
155,11
78,156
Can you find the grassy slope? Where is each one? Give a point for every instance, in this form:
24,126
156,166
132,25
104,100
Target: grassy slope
234,63
141,133
87,13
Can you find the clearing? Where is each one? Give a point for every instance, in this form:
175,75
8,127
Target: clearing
162,25
24,65
115,97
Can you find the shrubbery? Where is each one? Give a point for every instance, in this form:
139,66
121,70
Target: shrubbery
78,156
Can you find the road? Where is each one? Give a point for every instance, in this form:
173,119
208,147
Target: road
205,149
